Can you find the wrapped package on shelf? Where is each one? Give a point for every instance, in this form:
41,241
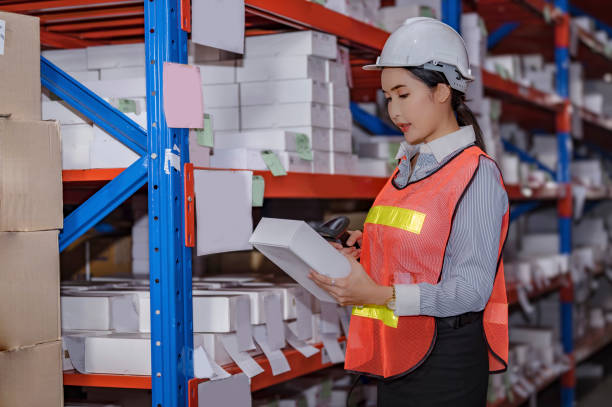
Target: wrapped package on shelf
218,72
343,163
118,353
339,95
86,311
335,72
540,244
107,152
587,172
285,91
340,118
225,118
510,169
273,139
373,167
68,59
284,67
594,102
293,43
117,56
321,162
118,88
56,110
133,72
287,115
241,158
76,146
221,95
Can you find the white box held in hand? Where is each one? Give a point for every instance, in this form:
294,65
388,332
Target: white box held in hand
296,248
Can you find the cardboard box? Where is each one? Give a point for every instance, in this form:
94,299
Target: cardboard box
29,288
20,67
286,91
135,72
296,248
279,68
285,115
76,146
292,43
30,174
107,152
63,113
273,139
85,312
68,59
224,95
224,118
115,56
32,376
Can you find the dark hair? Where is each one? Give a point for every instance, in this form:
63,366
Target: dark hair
464,114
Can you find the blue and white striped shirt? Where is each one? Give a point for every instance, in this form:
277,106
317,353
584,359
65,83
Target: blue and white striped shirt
471,256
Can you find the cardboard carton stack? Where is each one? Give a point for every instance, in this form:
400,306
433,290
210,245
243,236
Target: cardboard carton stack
30,216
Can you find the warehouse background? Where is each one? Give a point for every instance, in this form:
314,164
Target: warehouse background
297,110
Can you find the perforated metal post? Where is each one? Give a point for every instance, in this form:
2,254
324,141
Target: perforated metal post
170,261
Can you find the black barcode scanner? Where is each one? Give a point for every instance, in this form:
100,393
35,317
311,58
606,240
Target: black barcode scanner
334,230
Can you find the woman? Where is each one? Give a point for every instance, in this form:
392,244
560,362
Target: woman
431,317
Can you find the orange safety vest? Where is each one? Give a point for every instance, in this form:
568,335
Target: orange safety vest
404,241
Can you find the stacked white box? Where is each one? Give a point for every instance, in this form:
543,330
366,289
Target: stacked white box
285,91
280,68
76,146
117,56
285,115
140,247
68,59
107,152
294,43
245,159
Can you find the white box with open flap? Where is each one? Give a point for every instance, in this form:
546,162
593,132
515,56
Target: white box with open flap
296,248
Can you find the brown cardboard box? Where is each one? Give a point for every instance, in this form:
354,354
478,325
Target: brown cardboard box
32,376
20,67
29,289
30,176
108,256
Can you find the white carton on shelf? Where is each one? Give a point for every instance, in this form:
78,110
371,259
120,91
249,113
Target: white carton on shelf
118,353
340,141
296,248
285,115
594,102
335,72
118,88
372,167
76,146
83,76
298,164
340,118
223,95
115,56
587,172
106,152
292,43
285,91
540,244
319,136
55,110
131,312
343,163
244,159
85,312
339,95
274,139
383,148
224,118
217,72
537,337
256,297
217,313
140,267
279,68
140,250
68,59
136,72
213,346
321,162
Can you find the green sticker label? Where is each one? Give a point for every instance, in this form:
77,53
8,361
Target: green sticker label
259,186
206,136
273,163
547,14
127,105
483,27
496,109
426,11
322,2
303,146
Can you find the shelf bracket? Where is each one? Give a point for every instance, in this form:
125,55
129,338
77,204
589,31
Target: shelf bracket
93,107
103,202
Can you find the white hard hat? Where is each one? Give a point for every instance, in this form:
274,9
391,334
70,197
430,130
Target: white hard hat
430,44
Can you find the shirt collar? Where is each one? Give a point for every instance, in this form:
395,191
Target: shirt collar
441,147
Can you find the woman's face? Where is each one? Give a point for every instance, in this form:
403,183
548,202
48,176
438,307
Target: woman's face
413,107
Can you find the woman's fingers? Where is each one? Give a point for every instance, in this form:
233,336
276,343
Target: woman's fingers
355,236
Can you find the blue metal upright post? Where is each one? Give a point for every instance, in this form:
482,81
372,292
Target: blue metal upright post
170,261
451,13
562,59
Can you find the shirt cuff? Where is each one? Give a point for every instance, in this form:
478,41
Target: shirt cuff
407,300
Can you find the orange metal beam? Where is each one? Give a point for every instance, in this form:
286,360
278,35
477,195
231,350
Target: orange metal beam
93,14
56,40
73,27
28,6
108,34
74,378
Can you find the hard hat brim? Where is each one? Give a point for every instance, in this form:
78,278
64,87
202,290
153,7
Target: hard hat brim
378,67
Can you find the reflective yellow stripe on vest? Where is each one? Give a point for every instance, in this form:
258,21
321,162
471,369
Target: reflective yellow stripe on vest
406,219
379,312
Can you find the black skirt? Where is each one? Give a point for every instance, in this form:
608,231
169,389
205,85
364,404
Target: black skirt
456,373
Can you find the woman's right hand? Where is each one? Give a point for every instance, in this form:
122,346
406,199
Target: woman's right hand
356,237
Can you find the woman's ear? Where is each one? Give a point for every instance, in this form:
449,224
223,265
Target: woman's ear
443,93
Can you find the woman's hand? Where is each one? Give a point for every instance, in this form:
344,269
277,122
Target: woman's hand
356,237
357,288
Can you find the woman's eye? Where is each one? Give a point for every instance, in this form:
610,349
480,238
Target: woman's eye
404,96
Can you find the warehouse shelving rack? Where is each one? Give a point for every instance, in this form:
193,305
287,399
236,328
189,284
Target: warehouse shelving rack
163,23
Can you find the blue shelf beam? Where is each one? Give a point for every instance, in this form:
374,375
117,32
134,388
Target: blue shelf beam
451,13
103,202
502,32
93,107
526,157
371,123
521,209
170,261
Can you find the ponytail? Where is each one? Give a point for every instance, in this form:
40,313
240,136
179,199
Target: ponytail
465,116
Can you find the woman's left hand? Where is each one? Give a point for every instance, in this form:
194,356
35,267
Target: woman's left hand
357,288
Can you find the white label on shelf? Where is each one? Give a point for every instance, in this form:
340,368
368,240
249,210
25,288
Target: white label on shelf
2,35
305,349
329,318
244,331
244,361
205,367
172,160
303,303
277,359
75,345
332,347
274,321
